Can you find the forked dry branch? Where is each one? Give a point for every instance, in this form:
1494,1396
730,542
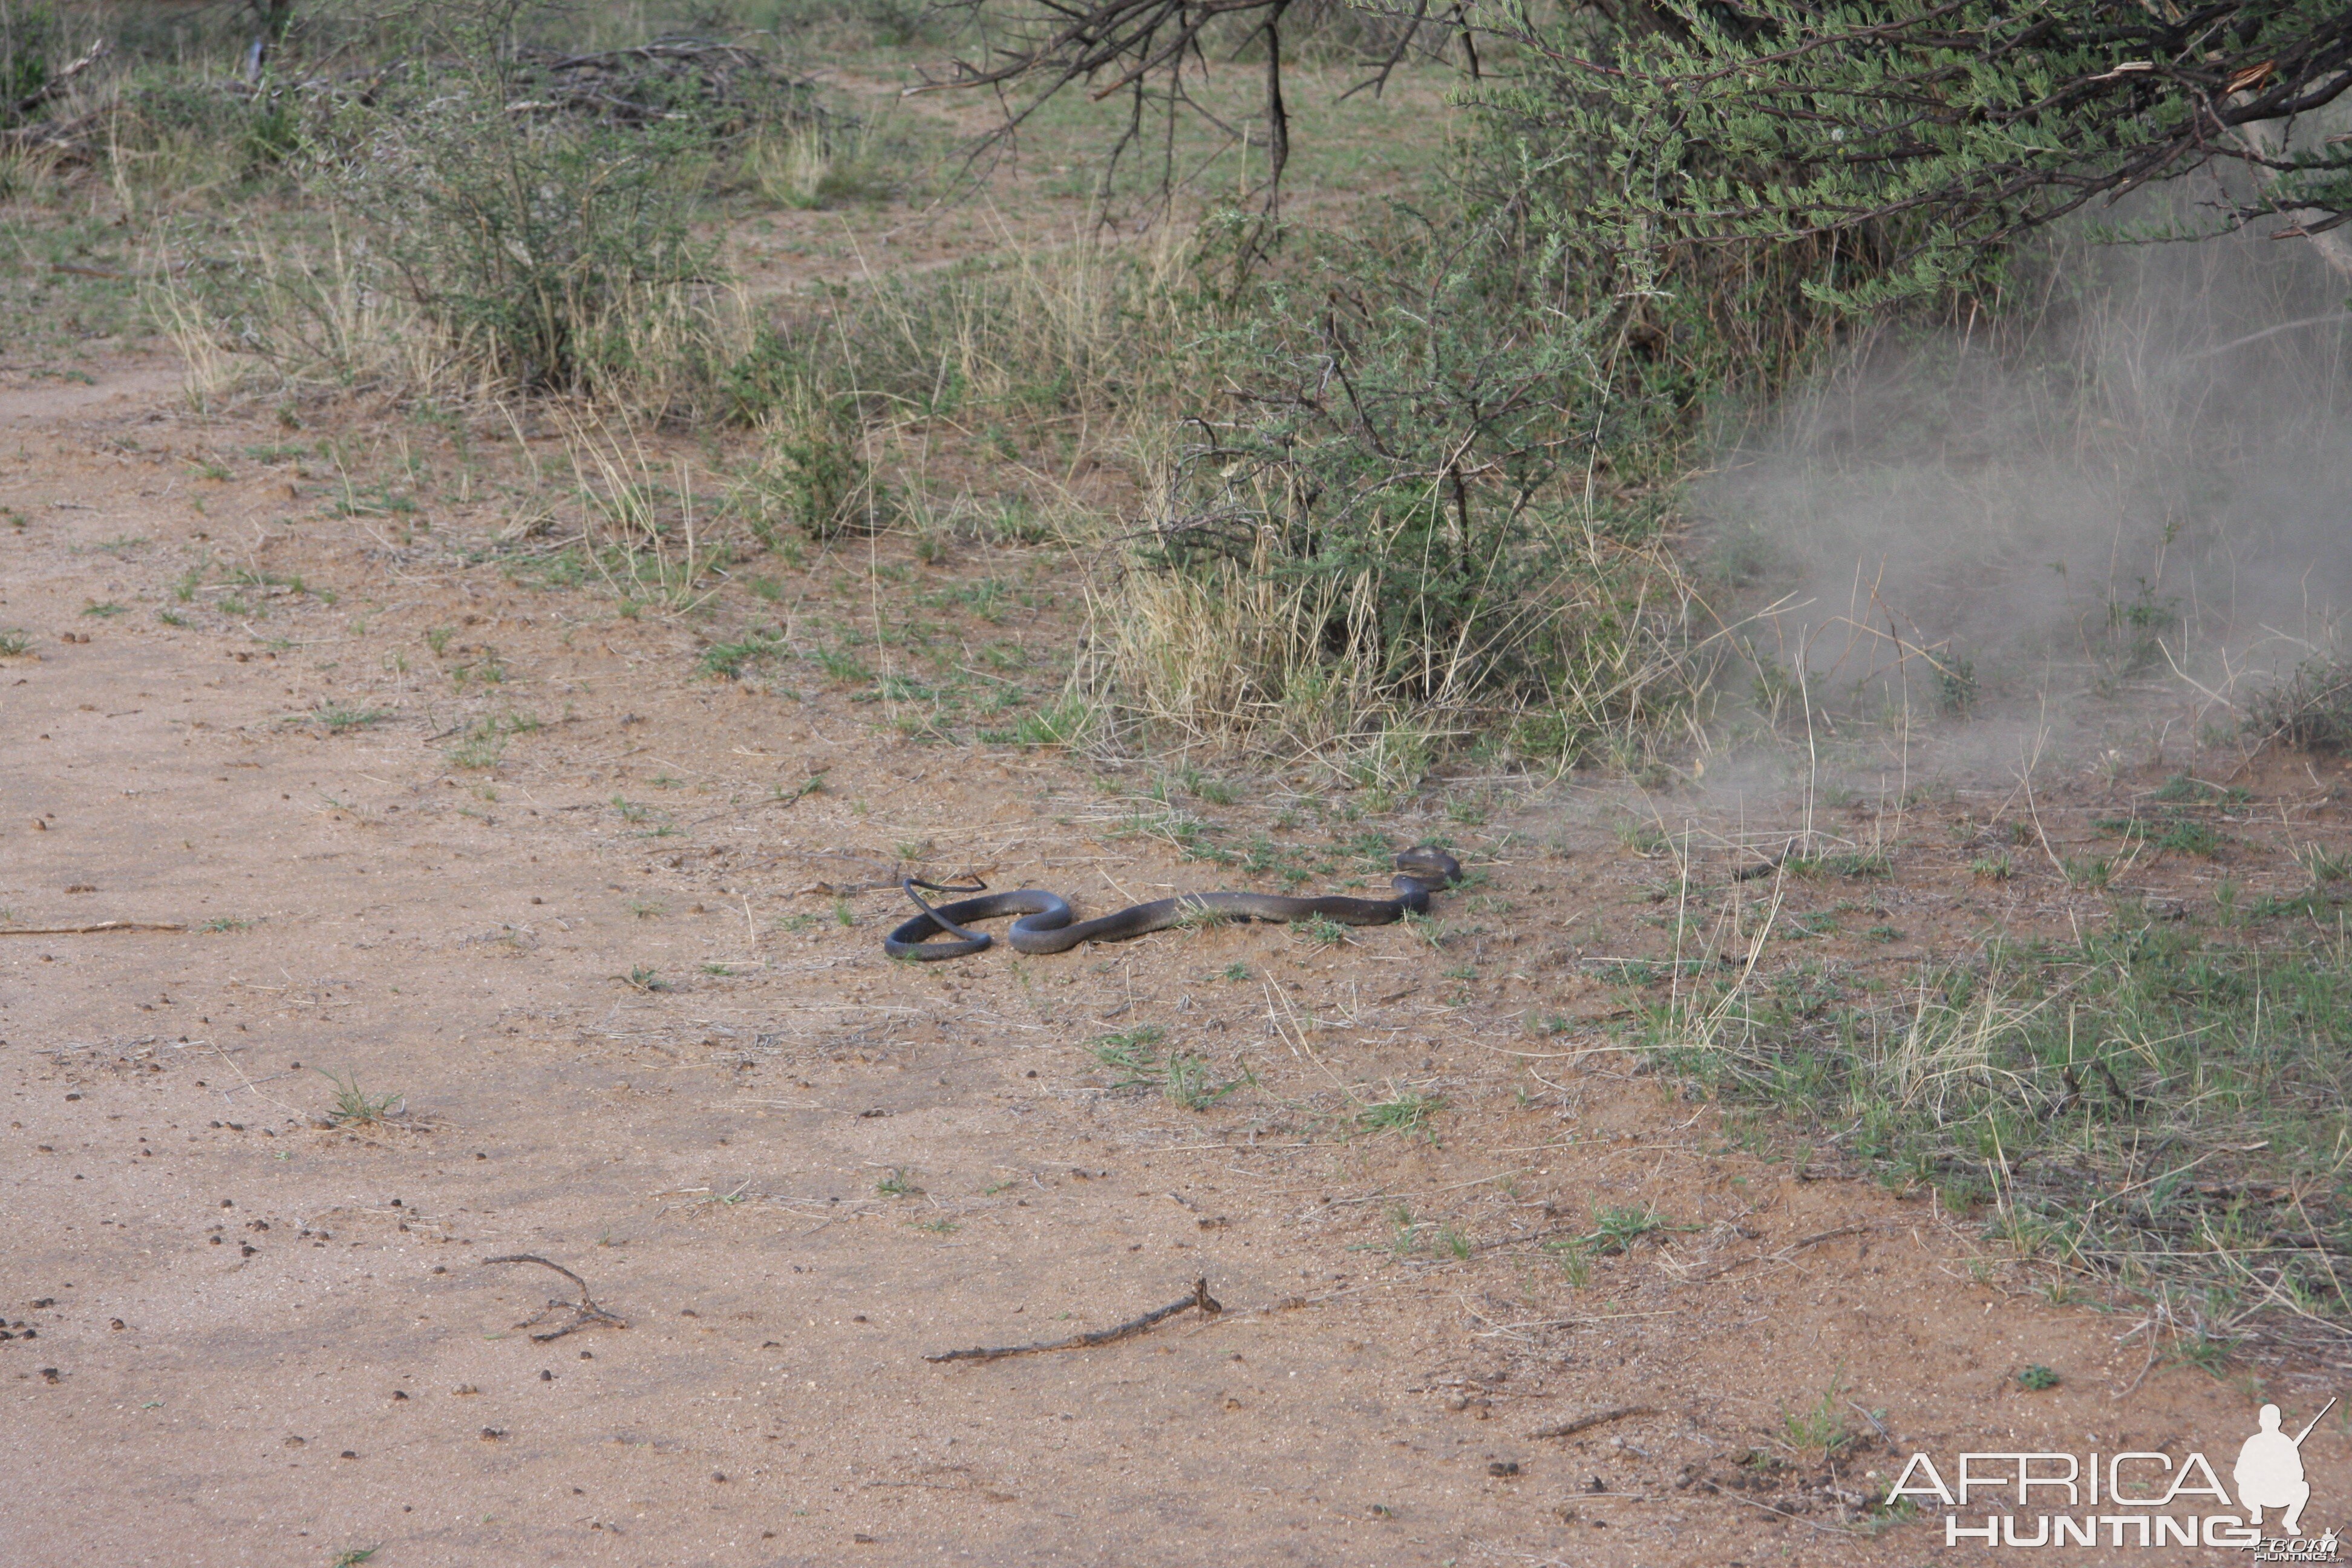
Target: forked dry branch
586,1312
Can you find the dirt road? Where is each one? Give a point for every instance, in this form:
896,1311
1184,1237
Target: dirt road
497,855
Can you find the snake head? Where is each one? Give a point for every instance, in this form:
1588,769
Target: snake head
1430,864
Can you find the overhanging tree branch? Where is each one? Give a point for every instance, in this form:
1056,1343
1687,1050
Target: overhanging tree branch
1924,134
1144,47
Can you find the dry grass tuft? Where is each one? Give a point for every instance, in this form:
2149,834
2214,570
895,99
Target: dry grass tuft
1264,655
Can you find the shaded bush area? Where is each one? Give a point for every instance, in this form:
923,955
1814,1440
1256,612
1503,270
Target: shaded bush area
31,46
1392,489
530,239
1394,466
1447,478
1401,516
535,210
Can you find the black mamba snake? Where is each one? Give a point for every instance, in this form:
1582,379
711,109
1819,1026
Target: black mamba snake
1046,922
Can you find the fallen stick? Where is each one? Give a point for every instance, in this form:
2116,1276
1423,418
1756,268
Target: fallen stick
1779,1514
1598,1418
1209,1305
813,782
845,889
48,90
91,929
1782,1256
586,1312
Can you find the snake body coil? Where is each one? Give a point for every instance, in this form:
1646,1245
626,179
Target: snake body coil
1047,923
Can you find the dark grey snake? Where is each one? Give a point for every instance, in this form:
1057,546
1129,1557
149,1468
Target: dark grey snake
1047,925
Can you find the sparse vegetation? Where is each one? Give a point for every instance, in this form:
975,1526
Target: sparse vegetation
1617,1229
1321,931
2310,708
1575,1260
336,717
1406,1110
355,1107
485,743
2325,867
1184,1078
1820,1430
2092,872
2156,1108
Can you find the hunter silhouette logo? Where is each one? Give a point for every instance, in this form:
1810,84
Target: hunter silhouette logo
2269,1471
2138,1499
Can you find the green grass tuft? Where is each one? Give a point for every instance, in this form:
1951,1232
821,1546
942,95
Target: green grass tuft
1406,1112
336,717
355,1107
1182,1077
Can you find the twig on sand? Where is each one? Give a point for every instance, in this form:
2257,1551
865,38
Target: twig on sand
1782,1514
1209,1305
584,1312
1782,1256
91,929
1598,1418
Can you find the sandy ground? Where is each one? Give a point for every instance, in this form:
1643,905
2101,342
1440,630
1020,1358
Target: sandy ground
239,1336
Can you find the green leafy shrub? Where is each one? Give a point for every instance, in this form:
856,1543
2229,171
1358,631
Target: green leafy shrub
506,217
273,133
813,473
529,240
1388,537
30,37
1901,150
1439,508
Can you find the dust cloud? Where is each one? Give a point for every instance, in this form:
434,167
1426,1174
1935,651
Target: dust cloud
2140,480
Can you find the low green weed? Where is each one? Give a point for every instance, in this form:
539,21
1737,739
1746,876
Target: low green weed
355,1107
1406,1111
1184,1078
